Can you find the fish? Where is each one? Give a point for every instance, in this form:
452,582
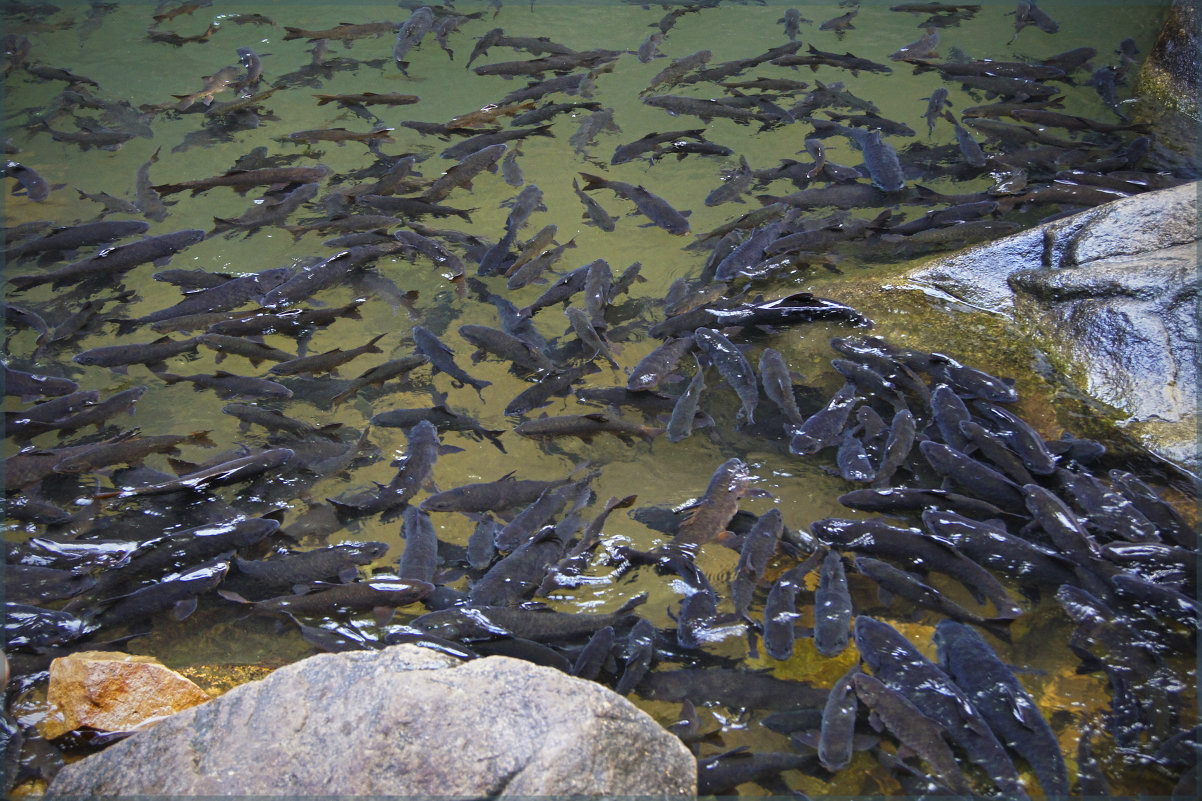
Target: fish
920,734
649,142
823,428
672,74
704,108
345,32
722,773
114,261
507,347
242,180
759,545
996,693
71,238
327,362
229,385
711,514
129,450
471,145
881,160
36,188
516,575
229,472
28,386
653,368
584,426
462,173
592,126
556,383
442,359
414,471
410,35
304,567
474,623
589,336
93,414
733,366
840,23
377,593
178,591
419,560
153,354
898,665
684,411
838,722
102,138
655,208
832,607
292,321
777,380
490,496
255,352
876,537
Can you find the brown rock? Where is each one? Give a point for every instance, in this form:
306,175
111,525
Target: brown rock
112,691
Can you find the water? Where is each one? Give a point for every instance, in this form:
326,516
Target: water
129,67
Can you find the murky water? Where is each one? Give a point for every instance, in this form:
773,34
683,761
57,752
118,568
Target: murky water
128,67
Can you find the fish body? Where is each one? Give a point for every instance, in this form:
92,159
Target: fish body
441,358
229,385
733,366
243,180
710,516
179,591
410,35
839,722
684,411
327,362
153,354
832,607
114,261
462,173
898,665
655,208
824,428
997,694
584,426
129,451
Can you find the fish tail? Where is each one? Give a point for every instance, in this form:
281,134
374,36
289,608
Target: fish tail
998,627
201,438
23,282
593,181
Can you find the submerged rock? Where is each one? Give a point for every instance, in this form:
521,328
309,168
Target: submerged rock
1112,295
111,691
402,721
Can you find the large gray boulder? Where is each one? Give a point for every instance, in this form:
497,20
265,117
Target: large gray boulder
403,721
1112,295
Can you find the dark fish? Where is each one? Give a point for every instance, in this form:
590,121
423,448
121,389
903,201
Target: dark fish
655,208
104,138
594,212
475,143
915,499
585,426
509,580
410,35
327,362
832,607
415,469
593,656
93,414
758,547
841,23
379,592
228,385
254,351
129,450
419,560
737,689
231,472
242,180
920,734
335,561
491,496
36,187
559,292
991,545
684,411
153,354
1004,703
442,359
649,142
71,238
823,428
881,160
977,479
877,538
897,664
733,366
28,386
556,383
894,581
474,623
653,368
838,723
115,261
178,591
462,173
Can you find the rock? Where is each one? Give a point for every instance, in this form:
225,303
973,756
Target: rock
1111,294
1171,71
111,691
402,721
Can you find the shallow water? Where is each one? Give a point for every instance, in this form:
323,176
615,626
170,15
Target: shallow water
128,67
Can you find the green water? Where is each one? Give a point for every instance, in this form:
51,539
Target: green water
129,67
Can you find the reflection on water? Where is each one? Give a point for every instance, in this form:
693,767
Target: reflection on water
155,91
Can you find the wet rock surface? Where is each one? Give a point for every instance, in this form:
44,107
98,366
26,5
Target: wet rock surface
111,691
400,721
1172,69
1111,294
